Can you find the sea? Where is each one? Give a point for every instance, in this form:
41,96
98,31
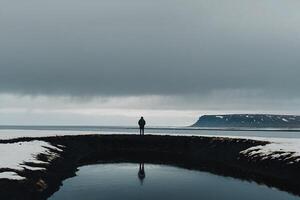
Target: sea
7,132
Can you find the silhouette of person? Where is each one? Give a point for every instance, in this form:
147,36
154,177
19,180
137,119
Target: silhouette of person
142,124
141,173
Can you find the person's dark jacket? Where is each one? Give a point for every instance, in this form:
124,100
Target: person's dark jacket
142,123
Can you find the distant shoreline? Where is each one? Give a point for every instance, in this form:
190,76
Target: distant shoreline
249,121
187,128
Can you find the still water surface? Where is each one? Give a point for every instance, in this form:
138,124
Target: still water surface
127,181
8,132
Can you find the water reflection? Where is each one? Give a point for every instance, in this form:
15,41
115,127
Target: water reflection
118,181
141,173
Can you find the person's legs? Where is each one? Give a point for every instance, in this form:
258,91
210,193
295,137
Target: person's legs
140,131
143,131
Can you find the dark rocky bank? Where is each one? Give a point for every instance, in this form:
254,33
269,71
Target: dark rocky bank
216,155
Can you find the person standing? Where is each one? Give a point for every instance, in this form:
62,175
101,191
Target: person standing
142,124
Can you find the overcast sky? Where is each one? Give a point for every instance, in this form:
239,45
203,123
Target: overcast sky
106,62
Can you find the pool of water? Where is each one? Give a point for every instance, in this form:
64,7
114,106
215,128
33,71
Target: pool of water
130,181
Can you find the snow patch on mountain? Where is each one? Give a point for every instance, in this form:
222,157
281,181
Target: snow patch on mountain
248,121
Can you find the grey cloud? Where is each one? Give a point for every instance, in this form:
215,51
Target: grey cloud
141,47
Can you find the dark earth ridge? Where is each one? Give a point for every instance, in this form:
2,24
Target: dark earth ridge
213,154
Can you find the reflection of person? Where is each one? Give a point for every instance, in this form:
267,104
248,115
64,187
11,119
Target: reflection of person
142,124
141,173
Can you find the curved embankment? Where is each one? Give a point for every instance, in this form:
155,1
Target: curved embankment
217,155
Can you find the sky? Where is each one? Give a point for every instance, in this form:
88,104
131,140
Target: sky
107,62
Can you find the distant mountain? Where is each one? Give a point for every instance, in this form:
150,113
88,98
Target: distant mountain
248,121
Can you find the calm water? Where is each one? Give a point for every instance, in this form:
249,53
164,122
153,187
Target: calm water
121,181
27,131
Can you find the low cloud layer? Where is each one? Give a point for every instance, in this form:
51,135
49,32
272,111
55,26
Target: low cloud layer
139,47
158,110
106,62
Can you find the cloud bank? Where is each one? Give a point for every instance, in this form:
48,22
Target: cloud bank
117,48
108,59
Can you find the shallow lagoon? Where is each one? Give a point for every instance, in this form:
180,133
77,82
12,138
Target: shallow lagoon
123,181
